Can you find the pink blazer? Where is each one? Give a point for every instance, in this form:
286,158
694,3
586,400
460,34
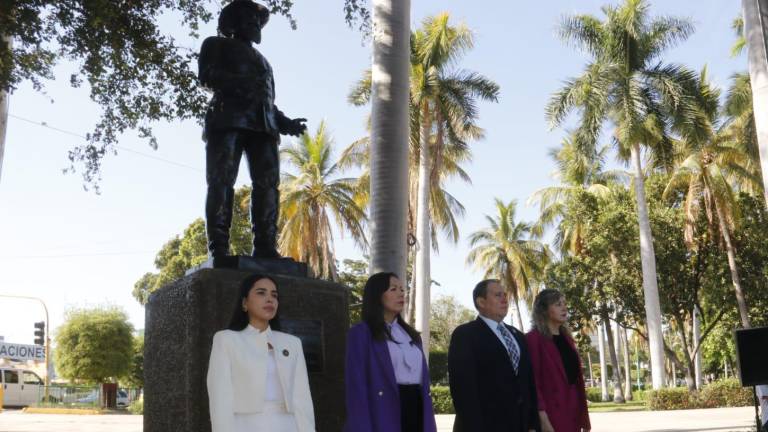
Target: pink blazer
566,411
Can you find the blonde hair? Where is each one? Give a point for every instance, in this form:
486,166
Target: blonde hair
540,315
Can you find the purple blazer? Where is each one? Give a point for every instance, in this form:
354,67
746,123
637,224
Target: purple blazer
373,399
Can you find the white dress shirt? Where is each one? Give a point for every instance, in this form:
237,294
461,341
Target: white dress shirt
762,391
494,326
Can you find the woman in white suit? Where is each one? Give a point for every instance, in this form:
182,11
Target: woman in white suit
257,376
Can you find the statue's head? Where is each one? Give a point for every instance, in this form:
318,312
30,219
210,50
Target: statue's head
243,19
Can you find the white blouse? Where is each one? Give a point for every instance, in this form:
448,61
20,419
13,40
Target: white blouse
274,390
406,356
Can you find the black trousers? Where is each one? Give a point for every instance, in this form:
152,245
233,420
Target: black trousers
223,153
411,408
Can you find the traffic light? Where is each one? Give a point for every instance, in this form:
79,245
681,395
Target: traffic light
40,333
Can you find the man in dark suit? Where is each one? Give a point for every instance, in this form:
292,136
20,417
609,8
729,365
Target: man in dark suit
242,118
490,370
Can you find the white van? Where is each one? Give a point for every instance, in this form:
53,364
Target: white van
20,387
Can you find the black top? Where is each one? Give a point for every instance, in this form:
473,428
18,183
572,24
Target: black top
569,357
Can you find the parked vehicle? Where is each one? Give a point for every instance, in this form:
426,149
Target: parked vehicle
93,398
20,387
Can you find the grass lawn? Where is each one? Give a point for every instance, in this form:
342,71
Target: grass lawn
614,407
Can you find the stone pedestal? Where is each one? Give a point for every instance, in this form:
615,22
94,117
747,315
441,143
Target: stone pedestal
182,317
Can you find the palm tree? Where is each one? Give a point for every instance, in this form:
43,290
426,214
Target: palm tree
626,85
506,251
443,116
706,157
578,173
754,31
310,197
740,117
389,134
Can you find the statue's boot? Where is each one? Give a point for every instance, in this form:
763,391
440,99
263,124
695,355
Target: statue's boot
218,218
264,211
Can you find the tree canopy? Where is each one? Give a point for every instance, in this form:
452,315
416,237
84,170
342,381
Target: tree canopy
135,69
94,345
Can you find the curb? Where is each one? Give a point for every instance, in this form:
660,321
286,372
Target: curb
78,411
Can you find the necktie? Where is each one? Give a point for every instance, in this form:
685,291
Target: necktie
512,349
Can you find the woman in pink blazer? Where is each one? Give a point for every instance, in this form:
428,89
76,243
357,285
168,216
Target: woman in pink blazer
556,367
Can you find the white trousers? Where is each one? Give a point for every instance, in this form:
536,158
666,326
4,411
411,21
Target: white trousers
273,418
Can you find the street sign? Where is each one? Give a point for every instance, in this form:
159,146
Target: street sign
21,352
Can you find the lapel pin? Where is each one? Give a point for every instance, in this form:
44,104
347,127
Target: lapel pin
285,352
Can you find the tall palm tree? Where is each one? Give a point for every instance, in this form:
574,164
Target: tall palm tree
754,33
389,134
310,197
626,85
740,116
505,250
444,101
706,157
578,173
443,116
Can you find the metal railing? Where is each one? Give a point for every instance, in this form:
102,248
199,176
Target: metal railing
81,397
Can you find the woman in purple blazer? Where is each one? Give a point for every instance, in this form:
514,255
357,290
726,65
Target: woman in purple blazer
387,380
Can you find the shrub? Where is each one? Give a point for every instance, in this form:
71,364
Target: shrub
720,394
137,406
725,393
594,394
671,399
438,367
441,400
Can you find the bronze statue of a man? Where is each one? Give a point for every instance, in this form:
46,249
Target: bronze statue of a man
242,117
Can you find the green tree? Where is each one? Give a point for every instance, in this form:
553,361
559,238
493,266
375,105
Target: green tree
309,197
136,72
94,345
506,251
578,173
353,275
446,314
706,157
625,84
135,376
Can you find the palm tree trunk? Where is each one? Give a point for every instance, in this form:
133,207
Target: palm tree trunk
618,393
696,342
589,362
603,364
410,298
423,231
518,315
741,300
650,287
389,134
627,370
755,31
4,96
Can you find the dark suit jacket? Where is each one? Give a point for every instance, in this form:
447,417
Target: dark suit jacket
487,394
243,87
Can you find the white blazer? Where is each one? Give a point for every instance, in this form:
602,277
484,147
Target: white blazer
237,373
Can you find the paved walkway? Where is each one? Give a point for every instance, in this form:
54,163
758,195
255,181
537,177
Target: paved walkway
710,420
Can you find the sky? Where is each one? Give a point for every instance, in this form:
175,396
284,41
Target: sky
75,248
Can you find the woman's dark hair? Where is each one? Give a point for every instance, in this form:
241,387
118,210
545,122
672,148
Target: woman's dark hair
232,13
240,317
373,310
